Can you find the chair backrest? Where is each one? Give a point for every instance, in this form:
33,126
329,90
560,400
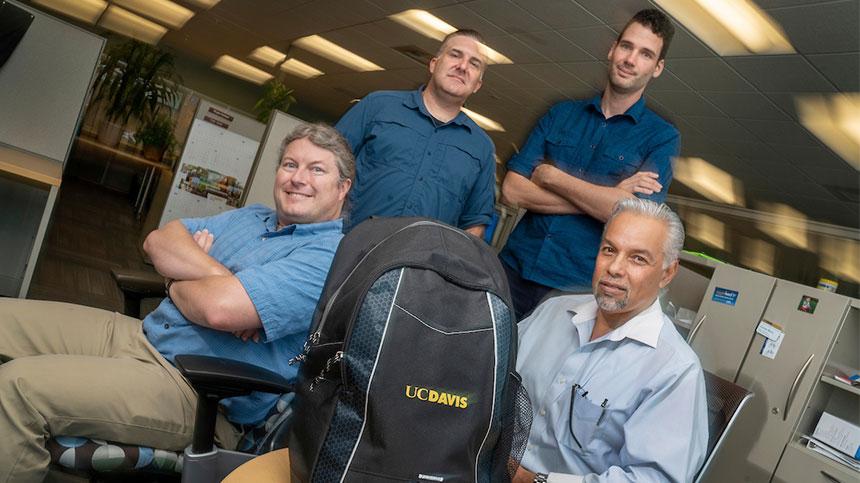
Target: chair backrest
725,401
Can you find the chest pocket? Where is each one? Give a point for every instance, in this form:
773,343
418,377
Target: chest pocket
393,144
458,171
565,151
620,163
583,423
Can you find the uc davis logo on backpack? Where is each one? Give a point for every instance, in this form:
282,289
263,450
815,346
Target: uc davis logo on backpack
438,397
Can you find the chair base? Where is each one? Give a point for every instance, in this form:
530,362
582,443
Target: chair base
212,466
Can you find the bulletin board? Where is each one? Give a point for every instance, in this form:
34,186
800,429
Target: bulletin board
215,165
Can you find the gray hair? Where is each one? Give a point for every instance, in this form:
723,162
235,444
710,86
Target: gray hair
325,137
657,211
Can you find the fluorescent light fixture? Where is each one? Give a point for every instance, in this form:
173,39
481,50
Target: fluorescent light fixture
841,257
485,122
87,11
758,255
268,56
126,23
730,27
164,12
207,4
709,181
706,229
835,121
429,25
300,69
237,68
789,226
336,53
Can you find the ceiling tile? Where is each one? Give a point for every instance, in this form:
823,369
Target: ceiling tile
552,45
842,69
711,74
591,73
559,14
395,6
781,73
555,76
823,27
667,82
516,50
686,104
843,178
518,76
810,157
788,133
826,211
751,152
614,11
506,15
721,128
594,40
686,45
746,105
784,101
461,17
392,34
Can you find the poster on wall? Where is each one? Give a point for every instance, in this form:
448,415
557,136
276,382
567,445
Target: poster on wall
215,165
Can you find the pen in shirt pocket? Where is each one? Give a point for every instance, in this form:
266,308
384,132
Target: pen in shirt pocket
602,411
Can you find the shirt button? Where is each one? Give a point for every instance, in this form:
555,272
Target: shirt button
166,326
562,380
429,153
621,158
421,178
592,146
542,412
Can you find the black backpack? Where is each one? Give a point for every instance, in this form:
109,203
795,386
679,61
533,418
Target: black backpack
408,374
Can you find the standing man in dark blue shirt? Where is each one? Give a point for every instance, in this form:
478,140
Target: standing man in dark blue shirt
417,153
580,159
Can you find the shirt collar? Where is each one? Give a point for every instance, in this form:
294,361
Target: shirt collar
644,327
270,220
634,112
416,101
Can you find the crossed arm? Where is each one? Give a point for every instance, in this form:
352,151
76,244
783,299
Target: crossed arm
204,290
552,191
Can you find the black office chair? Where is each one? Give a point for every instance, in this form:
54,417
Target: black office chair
725,401
213,379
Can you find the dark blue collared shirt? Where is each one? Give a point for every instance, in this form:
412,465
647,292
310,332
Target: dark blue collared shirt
410,164
559,250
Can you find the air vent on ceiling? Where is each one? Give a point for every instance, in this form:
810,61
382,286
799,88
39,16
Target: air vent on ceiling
851,195
418,55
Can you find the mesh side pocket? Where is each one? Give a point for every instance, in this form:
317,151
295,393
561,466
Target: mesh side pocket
516,424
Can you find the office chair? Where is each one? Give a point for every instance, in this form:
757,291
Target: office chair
213,379
725,401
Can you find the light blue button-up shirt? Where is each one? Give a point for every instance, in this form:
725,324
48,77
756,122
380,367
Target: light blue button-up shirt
283,272
654,426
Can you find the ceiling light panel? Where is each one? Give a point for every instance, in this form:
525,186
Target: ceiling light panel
429,25
787,225
709,181
336,53
126,23
485,122
164,12
87,11
706,229
300,69
237,68
730,27
835,120
207,4
268,56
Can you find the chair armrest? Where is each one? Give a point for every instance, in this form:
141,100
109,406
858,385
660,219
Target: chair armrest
214,379
229,378
136,285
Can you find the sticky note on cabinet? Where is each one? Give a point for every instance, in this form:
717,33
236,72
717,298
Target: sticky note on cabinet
771,346
769,330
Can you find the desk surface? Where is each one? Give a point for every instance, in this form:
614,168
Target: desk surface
121,154
30,166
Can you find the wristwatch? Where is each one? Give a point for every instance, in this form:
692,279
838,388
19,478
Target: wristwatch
540,478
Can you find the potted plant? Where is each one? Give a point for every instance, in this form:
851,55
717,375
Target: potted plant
133,80
276,96
156,136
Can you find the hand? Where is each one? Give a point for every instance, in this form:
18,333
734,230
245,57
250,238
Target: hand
644,182
253,334
204,240
523,476
544,174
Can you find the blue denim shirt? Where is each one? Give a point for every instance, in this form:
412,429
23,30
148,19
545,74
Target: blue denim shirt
559,250
283,273
409,164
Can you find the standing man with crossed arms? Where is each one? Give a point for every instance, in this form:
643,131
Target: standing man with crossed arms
580,159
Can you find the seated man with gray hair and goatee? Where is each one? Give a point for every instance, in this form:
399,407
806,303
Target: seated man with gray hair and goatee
617,393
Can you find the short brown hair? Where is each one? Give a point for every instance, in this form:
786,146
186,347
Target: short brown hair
658,22
325,137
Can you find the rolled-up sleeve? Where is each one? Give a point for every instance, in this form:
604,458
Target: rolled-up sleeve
479,206
534,151
659,160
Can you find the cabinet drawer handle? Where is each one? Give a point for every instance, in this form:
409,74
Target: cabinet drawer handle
696,328
793,390
830,477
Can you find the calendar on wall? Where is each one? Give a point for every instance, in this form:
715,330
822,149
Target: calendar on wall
216,163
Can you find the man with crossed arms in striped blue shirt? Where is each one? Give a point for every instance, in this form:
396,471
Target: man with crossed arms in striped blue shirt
242,285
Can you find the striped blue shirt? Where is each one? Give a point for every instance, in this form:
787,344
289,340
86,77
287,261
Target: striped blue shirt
283,272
